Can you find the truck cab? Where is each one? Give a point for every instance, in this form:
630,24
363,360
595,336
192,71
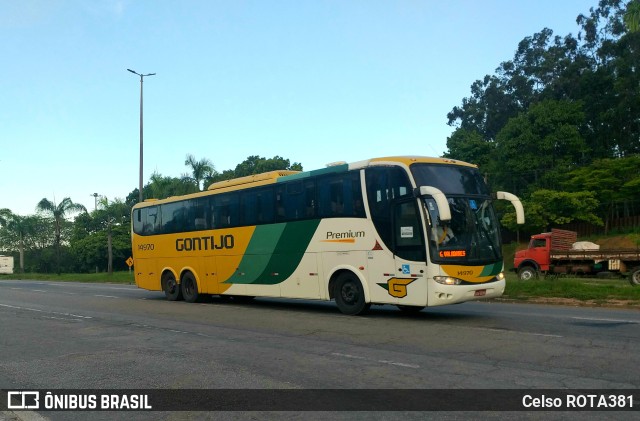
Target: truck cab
529,262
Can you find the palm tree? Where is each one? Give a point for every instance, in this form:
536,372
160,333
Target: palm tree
111,213
632,16
5,215
200,170
59,214
19,228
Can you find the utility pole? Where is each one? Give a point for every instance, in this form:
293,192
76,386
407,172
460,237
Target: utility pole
140,198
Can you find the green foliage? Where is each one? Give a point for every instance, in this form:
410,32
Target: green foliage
200,170
632,16
545,208
615,181
562,114
256,165
469,146
538,146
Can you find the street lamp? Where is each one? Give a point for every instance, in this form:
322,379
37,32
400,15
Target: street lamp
95,197
141,131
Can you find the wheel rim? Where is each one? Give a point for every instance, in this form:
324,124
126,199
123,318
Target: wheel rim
188,287
349,293
171,286
526,275
635,277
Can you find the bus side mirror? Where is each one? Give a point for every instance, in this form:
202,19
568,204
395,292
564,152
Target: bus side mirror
441,201
501,195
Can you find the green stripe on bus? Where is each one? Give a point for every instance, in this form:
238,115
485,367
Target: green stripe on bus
491,270
274,252
258,253
289,252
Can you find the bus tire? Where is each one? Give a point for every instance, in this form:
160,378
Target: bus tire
349,295
410,309
527,273
189,287
634,276
171,287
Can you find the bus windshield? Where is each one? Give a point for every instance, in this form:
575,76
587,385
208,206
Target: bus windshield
472,236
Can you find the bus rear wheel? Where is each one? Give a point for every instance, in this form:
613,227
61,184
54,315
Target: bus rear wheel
349,295
189,287
171,287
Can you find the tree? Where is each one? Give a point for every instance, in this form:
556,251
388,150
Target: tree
59,213
256,165
632,16
545,208
17,232
109,215
615,182
200,170
535,149
469,146
160,187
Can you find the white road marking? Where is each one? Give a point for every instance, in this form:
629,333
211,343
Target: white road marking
357,357
105,296
44,311
515,332
607,320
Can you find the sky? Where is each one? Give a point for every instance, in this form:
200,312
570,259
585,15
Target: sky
311,81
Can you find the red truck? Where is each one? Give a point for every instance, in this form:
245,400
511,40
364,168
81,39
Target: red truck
553,252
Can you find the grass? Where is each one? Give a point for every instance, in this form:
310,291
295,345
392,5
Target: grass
598,291
124,277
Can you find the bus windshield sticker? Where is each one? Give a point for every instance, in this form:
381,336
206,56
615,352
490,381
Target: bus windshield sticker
406,232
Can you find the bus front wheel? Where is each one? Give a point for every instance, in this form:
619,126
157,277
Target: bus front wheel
349,295
189,287
171,287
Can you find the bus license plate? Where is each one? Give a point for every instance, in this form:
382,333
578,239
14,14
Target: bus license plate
480,293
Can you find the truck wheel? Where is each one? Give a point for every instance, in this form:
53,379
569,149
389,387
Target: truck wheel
527,274
634,277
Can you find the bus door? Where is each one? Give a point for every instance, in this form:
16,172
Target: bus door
410,286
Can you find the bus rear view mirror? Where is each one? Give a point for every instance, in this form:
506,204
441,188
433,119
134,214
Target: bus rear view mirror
502,195
441,201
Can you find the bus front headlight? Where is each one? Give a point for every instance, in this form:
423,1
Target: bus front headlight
447,280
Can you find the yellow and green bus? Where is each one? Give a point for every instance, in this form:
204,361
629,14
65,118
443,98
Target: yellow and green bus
406,231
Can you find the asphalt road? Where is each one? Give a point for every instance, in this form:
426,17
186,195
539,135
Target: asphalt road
100,336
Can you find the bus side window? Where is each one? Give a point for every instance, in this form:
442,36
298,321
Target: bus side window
199,217
137,221
151,221
340,195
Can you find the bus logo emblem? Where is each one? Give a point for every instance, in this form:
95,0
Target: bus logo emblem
397,287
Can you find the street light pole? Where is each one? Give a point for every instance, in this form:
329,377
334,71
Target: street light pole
141,130
95,197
